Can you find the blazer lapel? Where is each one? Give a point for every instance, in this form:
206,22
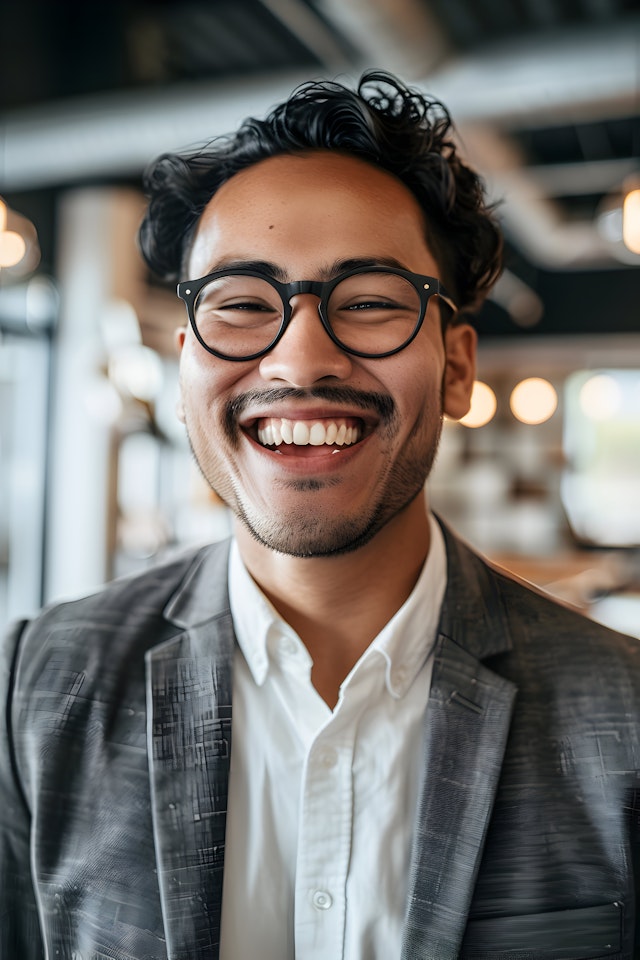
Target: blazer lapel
467,723
189,684
466,728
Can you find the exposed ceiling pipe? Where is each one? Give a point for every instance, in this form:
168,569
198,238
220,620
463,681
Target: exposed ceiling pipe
574,179
312,31
533,220
119,134
565,77
398,35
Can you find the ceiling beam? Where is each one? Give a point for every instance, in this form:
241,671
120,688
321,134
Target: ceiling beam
568,76
115,135
579,179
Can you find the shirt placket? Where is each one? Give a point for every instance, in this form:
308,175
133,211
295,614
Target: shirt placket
324,845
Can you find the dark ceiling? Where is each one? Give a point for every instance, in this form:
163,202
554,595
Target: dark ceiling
471,25
554,165
51,51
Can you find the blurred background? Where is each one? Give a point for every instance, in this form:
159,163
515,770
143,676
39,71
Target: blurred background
95,476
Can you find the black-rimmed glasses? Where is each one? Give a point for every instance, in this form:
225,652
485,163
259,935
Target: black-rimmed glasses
370,312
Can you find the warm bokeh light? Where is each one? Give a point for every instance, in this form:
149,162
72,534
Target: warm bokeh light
600,397
12,248
483,406
533,400
631,221
19,250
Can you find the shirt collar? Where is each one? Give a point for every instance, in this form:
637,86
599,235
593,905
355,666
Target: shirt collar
253,615
404,643
408,639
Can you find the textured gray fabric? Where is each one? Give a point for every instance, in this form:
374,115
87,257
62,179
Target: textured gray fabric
114,770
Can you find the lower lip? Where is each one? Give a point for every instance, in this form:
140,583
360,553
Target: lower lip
317,462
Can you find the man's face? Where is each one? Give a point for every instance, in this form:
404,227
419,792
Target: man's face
307,215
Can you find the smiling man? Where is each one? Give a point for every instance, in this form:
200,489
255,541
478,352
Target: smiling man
342,734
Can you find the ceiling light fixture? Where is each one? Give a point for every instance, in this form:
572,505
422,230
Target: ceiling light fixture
12,245
631,220
483,406
533,400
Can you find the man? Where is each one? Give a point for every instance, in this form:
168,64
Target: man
344,734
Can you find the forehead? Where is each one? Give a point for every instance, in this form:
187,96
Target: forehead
304,211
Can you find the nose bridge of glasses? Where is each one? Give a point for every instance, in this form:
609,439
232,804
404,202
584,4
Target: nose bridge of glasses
314,287
303,288
297,295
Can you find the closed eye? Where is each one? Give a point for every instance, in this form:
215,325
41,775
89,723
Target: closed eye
246,305
370,309
236,313
371,305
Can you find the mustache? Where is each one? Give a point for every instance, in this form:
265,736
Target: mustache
382,403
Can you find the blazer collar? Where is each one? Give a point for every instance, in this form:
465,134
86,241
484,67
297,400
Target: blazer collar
202,594
473,612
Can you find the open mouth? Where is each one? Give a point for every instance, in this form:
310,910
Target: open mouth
280,432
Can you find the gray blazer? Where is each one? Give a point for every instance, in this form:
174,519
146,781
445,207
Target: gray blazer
115,756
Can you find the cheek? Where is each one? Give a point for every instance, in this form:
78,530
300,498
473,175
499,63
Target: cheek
417,387
205,381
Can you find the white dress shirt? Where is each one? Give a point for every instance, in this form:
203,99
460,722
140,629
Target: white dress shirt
322,802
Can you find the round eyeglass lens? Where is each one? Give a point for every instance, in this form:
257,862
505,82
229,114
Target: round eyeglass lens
374,312
237,315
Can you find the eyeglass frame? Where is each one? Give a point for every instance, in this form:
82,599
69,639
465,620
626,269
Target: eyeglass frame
425,286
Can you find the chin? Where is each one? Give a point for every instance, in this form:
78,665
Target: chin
306,536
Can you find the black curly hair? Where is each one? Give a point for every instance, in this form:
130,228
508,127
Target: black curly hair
383,122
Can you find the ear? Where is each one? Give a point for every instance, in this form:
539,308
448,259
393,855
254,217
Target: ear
179,338
460,369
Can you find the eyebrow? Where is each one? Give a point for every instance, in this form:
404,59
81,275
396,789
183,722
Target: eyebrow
354,263
326,273
260,266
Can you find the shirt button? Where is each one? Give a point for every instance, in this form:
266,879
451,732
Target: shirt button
322,900
399,676
328,757
287,646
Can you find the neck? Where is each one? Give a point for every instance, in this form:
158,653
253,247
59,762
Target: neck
337,605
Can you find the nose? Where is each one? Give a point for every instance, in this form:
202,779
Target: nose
306,353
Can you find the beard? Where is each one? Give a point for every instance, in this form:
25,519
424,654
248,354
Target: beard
305,532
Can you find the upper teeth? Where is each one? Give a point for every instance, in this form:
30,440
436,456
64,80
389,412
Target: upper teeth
303,432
